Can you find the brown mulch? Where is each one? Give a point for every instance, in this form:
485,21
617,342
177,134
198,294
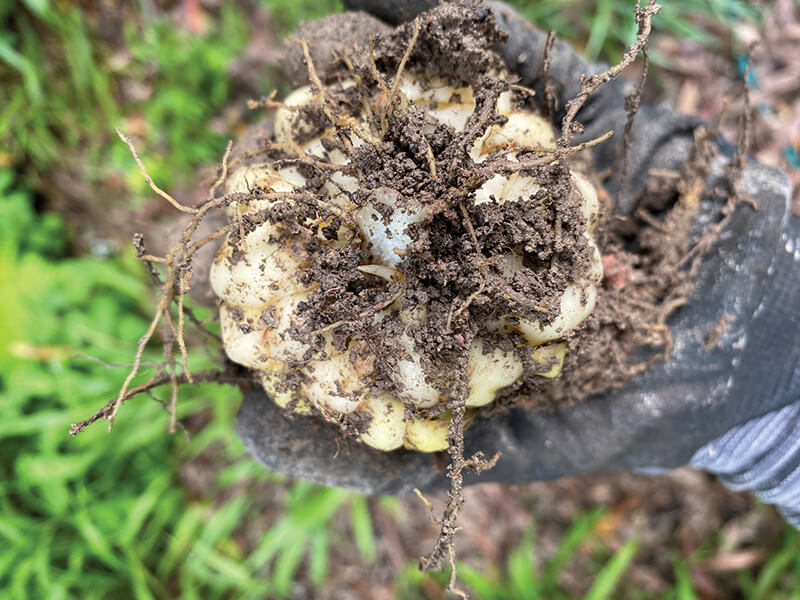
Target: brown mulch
707,83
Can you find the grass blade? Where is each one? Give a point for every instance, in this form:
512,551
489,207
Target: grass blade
318,557
684,590
577,533
183,536
362,529
521,565
609,576
601,24
484,587
286,565
775,568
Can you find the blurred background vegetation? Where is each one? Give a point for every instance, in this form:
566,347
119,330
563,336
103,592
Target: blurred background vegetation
139,513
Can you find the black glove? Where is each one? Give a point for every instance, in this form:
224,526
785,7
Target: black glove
663,416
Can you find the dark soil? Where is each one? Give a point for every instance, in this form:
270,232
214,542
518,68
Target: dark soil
456,257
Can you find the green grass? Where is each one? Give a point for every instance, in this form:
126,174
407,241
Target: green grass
52,85
63,90
183,70
604,29
287,15
113,515
105,515
520,578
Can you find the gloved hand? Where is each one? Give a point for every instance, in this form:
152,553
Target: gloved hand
662,417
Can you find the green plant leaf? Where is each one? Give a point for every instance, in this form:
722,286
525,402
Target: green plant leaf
610,575
577,533
777,566
484,587
684,590
318,557
362,529
601,24
522,571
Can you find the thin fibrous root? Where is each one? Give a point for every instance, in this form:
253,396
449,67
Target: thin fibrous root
149,180
339,121
632,103
374,67
156,381
644,17
223,172
173,287
428,506
451,585
434,560
387,110
550,107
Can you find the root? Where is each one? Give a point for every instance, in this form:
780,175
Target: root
158,380
443,548
434,560
744,140
137,362
374,67
389,107
550,107
589,85
338,121
545,157
648,303
270,102
174,285
481,267
149,180
451,585
632,103
428,506
316,82
223,172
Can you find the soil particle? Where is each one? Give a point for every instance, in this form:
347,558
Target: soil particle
716,331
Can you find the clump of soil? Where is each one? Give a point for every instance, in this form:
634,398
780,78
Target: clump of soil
454,265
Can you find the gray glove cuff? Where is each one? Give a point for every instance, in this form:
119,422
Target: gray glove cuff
763,456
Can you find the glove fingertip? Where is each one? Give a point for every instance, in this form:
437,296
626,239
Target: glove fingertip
327,37
390,11
309,448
